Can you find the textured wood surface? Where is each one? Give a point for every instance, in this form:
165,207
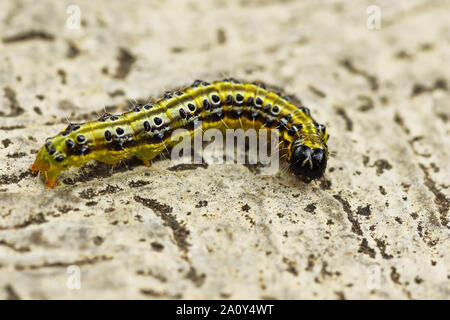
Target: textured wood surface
376,226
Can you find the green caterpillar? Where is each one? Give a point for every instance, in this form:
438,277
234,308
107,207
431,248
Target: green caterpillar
146,131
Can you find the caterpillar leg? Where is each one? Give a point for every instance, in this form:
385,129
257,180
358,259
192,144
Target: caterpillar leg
146,156
50,178
34,169
146,163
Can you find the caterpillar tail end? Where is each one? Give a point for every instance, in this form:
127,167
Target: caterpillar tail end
50,173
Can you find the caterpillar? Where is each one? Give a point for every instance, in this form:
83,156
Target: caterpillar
146,130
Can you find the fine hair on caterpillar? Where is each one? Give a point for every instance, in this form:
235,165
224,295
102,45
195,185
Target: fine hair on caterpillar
226,106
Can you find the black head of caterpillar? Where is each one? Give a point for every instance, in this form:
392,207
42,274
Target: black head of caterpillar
309,162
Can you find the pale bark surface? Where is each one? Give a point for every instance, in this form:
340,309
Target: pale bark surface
376,226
